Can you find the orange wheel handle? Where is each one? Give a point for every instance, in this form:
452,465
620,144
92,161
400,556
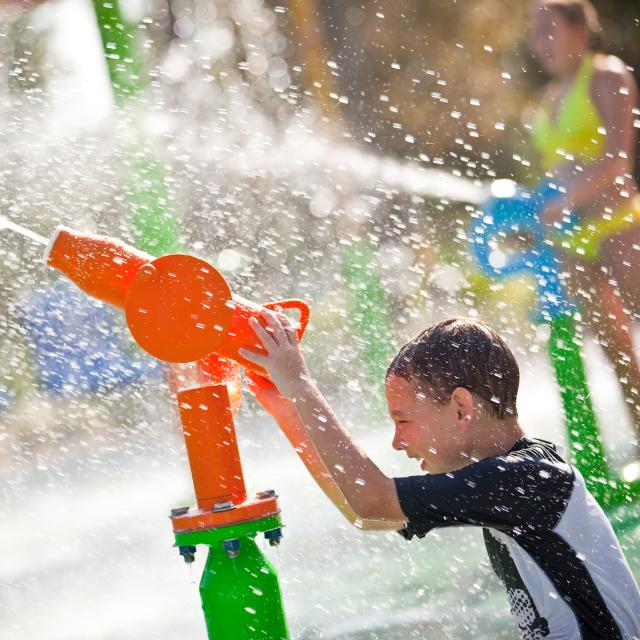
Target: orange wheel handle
301,306
178,308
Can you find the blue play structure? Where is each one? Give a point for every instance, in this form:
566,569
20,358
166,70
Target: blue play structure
79,344
514,214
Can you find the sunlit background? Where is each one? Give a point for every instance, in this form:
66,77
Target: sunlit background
309,149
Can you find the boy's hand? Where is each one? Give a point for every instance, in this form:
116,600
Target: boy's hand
283,361
267,394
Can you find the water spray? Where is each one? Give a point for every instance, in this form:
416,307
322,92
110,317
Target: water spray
5,223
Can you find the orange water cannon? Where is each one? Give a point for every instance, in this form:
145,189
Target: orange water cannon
178,307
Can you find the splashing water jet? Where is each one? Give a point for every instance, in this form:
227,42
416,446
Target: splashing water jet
5,223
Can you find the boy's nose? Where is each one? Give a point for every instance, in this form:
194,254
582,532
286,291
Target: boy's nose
398,444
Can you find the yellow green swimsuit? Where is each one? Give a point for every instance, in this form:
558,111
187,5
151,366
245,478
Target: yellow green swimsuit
578,133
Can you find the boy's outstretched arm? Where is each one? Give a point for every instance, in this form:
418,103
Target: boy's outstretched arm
288,420
369,493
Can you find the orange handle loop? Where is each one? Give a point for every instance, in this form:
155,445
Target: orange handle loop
301,306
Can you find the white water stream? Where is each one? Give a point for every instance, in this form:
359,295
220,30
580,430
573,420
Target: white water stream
5,223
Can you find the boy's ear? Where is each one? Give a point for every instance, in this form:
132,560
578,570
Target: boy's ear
462,401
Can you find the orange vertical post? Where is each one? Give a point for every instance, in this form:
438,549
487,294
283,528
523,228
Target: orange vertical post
212,447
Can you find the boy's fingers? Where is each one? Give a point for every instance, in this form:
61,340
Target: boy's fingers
254,357
268,341
274,324
289,330
284,321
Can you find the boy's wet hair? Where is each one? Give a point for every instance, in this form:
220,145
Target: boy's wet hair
461,352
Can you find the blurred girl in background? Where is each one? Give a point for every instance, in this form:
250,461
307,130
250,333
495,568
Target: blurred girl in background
584,132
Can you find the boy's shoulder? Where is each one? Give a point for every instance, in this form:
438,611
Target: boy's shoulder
528,456
530,471
528,486
531,452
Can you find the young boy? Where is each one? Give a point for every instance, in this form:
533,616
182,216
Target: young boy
452,393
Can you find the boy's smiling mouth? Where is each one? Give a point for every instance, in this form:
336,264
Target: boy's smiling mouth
421,460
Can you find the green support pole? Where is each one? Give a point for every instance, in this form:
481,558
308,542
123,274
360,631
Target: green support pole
239,589
587,449
369,311
154,221
118,40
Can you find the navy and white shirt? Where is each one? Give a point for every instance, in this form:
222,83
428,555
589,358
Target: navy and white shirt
548,541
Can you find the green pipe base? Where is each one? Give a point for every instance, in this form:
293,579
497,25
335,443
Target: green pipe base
241,598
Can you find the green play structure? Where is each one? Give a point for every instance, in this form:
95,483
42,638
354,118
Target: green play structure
240,593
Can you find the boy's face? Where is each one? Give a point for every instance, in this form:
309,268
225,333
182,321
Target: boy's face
425,429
